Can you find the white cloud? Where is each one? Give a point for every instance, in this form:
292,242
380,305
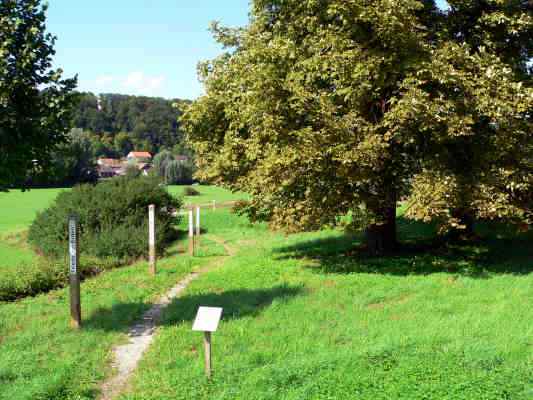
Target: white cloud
139,83
136,83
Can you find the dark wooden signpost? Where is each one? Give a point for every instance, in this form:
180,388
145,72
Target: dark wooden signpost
74,256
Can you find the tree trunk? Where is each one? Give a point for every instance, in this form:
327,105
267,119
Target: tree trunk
381,236
467,222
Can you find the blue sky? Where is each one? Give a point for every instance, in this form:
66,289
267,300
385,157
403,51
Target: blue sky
139,47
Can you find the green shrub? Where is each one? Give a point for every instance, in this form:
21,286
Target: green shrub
190,191
113,217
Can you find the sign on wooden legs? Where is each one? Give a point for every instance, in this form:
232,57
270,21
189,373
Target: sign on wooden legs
206,321
151,237
74,276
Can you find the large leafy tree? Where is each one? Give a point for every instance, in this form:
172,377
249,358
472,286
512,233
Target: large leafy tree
325,107
484,168
35,100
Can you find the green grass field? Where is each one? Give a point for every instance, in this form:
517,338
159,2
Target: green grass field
42,358
207,194
18,209
305,317
302,320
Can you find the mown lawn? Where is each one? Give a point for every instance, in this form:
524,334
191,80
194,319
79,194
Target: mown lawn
207,194
307,318
18,209
42,358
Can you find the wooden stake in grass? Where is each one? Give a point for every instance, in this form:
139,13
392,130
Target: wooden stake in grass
191,233
74,255
151,237
198,222
214,205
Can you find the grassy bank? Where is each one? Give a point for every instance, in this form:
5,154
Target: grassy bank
304,320
42,358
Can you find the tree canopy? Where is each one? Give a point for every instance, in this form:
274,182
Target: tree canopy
322,108
35,101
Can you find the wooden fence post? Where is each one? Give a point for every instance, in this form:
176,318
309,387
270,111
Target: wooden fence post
191,233
74,256
151,238
198,221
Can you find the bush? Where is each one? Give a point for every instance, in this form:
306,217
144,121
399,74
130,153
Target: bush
113,217
190,191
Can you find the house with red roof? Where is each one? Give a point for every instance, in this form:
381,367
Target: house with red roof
139,156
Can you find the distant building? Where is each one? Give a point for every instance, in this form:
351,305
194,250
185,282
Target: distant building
182,159
110,167
139,156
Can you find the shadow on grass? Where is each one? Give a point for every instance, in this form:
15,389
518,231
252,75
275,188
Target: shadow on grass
421,252
236,304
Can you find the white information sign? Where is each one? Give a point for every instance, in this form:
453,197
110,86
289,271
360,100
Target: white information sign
72,241
207,319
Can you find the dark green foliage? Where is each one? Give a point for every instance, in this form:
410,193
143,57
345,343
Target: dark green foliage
123,123
190,191
113,219
71,163
35,101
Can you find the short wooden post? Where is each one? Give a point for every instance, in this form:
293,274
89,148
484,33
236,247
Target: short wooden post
191,233
198,221
214,205
207,351
74,256
151,238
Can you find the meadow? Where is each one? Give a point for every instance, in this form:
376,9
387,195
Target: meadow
305,317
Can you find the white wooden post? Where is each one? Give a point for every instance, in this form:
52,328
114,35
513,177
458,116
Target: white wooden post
191,233
198,221
151,238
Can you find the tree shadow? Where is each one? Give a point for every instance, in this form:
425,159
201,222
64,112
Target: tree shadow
235,303
498,250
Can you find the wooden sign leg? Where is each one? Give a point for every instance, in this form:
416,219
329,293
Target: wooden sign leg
207,350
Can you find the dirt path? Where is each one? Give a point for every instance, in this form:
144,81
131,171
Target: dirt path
127,356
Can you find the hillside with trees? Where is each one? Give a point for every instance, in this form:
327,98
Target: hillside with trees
120,123
110,126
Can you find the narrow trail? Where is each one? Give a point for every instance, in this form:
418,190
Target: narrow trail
127,356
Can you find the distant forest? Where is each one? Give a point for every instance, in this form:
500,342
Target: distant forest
121,123
112,125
